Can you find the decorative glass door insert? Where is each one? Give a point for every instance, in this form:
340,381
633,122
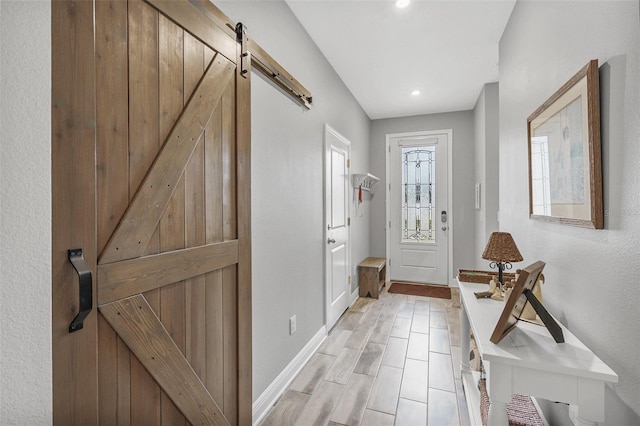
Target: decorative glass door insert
418,189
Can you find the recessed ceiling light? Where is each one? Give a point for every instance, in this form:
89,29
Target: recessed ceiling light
402,3
415,93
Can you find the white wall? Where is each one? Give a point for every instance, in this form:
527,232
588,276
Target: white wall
486,129
463,178
592,275
287,189
25,213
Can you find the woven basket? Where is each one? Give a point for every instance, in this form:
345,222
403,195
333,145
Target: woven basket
521,411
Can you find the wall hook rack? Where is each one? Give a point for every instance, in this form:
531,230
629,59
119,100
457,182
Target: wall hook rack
368,182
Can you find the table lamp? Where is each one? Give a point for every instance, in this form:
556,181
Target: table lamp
501,250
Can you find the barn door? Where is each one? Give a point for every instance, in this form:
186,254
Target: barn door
151,167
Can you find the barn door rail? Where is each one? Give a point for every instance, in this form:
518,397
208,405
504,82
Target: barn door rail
252,55
85,288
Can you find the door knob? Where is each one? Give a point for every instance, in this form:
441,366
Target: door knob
444,228
330,241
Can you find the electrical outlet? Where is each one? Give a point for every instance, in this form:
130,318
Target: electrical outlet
292,324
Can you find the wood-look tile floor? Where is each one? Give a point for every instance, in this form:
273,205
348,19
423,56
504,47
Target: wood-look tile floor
390,361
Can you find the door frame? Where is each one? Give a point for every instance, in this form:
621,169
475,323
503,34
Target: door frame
388,138
328,129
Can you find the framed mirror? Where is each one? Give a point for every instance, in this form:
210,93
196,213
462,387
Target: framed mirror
565,165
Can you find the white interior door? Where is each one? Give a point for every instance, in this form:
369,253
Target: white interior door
418,212
337,248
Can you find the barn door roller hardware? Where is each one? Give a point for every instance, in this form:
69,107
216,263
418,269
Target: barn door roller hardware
85,290
254,56
245,61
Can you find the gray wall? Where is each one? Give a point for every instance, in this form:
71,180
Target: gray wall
463,179
486,129
287,189
592,275
25,213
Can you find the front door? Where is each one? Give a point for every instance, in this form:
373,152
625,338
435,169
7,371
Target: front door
418,231
150,163
337,250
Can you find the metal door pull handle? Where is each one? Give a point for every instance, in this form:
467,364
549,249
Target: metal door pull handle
85,289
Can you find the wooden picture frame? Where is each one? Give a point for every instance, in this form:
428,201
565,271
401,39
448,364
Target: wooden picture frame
565,164
515,304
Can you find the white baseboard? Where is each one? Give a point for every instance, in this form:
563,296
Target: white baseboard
269,397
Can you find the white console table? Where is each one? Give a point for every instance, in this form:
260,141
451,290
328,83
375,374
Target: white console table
528,362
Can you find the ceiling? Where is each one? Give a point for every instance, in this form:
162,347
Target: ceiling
447,49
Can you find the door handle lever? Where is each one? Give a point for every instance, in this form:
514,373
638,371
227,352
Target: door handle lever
330,241
85,289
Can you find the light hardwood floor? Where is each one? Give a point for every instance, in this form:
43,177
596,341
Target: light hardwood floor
390,361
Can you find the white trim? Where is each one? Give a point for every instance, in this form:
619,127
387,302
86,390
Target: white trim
452,274
449,133
270,396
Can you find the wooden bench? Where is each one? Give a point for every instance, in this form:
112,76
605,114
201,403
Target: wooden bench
371,276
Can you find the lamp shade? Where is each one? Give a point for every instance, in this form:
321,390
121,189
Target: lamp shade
501,248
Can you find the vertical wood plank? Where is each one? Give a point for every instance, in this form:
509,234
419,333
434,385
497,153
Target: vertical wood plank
112,119
124,384
143,87
213,232
230,343
107,372
193,64
229,275
213,174
112,184
75,364
172,298
244,329
145,396
229,194
195,219
144,144
214,336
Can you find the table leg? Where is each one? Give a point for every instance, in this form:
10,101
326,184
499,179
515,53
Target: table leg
498,413
584,416
582,422
465,336
589,411
499,380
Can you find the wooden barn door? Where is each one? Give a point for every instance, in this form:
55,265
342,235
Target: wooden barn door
150,163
